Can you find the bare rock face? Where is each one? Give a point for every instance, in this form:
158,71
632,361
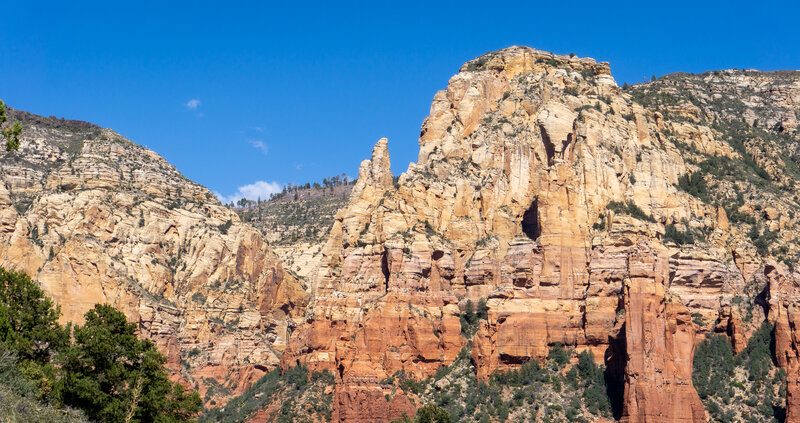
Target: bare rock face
510,200
730,323
95,218
659,344
784,299
367,403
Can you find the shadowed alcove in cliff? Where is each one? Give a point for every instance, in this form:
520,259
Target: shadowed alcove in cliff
385,270
549,148
530,221
614,372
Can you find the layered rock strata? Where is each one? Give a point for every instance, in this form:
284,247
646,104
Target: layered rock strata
784,300
537,180
659,344
95,218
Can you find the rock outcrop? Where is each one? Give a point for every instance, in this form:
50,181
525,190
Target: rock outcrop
95,218
768,100
784,300
659,344
367,404
537,181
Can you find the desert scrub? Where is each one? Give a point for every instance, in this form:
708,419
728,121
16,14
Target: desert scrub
747,387
300,393
551,391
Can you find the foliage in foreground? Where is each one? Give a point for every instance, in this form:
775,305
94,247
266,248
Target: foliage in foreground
111,374
18,402
28,319
107,372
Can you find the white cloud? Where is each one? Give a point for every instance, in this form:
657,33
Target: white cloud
192,104
251,192
259,145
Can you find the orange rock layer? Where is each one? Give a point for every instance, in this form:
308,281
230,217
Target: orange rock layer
508,201
659,345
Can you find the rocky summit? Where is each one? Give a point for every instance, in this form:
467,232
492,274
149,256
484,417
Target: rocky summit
564,249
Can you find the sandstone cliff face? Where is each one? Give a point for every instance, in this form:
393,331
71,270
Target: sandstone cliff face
659,344
511,199
734,129
783,312
755,114
95,218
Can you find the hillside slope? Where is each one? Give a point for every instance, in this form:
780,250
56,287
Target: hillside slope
297,223
95,218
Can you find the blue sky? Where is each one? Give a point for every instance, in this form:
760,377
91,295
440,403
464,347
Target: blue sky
233,93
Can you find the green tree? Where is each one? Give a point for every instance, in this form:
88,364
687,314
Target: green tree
695,184
594,394
558,355
468,319
11,133
28,319
469,312
483,310
12,136
757,356
432,414
115,377
713,366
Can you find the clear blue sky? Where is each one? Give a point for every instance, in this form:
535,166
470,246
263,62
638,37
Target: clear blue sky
296,91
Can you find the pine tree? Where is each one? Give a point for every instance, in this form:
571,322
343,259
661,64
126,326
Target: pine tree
28,319
12,132
111,374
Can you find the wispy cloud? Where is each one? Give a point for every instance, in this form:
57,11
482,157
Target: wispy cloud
259,145
192,104
254,191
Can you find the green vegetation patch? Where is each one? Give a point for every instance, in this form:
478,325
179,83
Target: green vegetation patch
100,368
301,394
551,391
470,319
630,208
747,387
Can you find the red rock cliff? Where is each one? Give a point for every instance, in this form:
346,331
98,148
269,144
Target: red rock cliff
659,345
518,163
